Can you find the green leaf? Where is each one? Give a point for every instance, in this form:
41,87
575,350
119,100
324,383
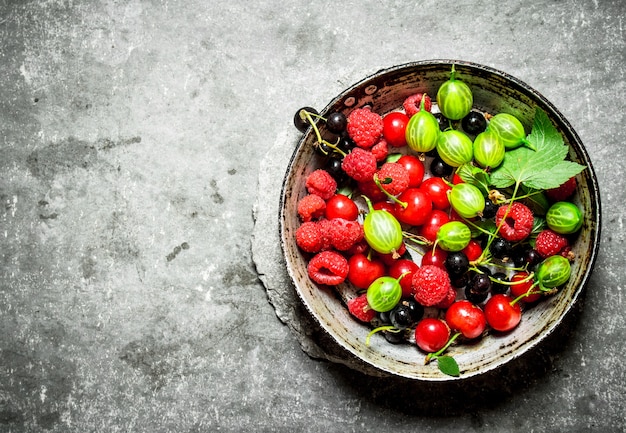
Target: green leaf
478,177
447,365
542,168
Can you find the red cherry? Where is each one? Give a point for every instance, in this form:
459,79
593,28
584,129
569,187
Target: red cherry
435,258
341,206
521,287
394,128
473,250
435,219
501,314
431,334
386,206
414,167
404,266
419,206
456,179
362,271
466,318
437,189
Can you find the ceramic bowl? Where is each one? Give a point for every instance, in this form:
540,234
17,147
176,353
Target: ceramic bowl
494,91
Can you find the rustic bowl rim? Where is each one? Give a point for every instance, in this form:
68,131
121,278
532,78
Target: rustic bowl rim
575,141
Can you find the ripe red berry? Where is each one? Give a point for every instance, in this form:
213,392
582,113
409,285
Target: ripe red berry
501,314
466,318
562,192
550,243
321,183
436,257
360,309
430,285
437,189
418,207
407,267
394,128
328,267
309,237
365,127
310,207
344,234
341,206
414,167
412,104
431,334
363,271
393,178
359,164
515,221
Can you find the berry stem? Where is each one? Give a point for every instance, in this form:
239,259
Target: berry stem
436,355
391,197
318,135
389,328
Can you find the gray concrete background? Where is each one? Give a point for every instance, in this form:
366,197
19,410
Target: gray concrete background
132,136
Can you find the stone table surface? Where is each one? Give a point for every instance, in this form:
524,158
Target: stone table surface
142,145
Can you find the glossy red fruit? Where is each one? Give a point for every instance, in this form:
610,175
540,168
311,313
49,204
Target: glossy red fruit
394,128
414,167
341,206
435,219
501,315
435,258
456,179
363,271
466,318
431,334
419,206
473,250
521,285
404,266
437,189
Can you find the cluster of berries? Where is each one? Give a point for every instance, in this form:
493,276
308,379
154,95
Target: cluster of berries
367,157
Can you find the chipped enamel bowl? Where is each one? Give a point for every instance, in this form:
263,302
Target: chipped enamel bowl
494,92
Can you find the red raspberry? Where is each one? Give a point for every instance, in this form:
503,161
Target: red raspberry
326,231
359,164
321,183
393,178
562,192
360,309
518,222
328,267
309,237
381,150
365,127
448,300
430,285
550,243
345,234
413,103
311,207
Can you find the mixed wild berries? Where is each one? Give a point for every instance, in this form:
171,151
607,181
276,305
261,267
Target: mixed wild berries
438,223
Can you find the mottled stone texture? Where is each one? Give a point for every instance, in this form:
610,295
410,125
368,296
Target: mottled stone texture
132,134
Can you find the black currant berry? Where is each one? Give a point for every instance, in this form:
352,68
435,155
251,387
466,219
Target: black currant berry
301,123
473,296
457,263
490,209
336,122
400,316
500,248
480,283
474,123
439,168
497,287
